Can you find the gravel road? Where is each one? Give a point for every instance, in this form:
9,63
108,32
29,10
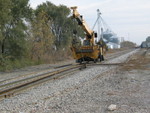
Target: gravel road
89,91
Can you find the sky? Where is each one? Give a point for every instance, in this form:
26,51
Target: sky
127,18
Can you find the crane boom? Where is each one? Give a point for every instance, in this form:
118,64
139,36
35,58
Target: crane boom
82,23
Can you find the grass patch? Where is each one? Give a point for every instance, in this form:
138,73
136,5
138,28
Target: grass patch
8,65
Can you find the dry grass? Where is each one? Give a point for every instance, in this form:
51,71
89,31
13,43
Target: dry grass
115,50
140,60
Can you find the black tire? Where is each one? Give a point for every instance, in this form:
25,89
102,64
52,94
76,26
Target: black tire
95,60
102,58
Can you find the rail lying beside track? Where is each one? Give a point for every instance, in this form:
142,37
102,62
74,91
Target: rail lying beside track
10,88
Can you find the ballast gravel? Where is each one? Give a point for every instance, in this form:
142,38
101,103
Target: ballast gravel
86,91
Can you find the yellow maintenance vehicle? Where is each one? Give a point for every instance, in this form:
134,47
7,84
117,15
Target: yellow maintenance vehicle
89,51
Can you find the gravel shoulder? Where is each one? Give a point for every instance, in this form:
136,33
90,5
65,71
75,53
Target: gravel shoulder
90,91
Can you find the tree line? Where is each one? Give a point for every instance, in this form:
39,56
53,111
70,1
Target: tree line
32,36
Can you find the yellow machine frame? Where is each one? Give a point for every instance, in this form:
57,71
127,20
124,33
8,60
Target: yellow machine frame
91,52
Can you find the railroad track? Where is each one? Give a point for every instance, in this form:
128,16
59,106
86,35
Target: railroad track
12,88
9,89
113,55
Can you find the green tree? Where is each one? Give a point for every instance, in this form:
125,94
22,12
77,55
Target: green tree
62,25
42,38
14,17
5,18
127,44
13,27
26,33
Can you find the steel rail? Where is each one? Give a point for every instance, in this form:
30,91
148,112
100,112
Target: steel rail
25,82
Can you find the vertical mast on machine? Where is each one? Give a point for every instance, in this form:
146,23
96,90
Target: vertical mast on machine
98,24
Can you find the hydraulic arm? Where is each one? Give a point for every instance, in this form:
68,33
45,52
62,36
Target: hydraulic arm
89,33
